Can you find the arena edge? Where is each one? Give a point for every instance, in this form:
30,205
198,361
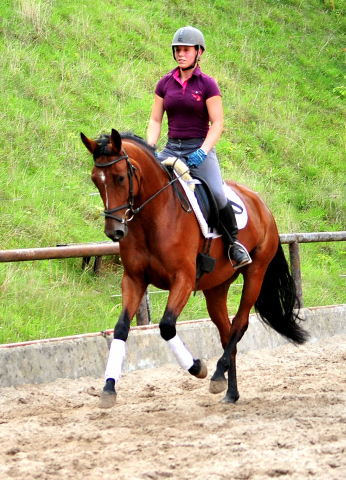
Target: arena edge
44,361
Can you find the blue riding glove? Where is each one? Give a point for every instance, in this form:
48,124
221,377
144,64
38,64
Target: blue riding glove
196,158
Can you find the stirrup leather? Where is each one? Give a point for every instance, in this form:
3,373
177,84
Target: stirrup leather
245,261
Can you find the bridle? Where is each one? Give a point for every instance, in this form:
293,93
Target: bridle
132,172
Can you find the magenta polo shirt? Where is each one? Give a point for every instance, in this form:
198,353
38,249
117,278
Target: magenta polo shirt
185,103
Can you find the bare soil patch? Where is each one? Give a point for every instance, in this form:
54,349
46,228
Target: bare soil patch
290,423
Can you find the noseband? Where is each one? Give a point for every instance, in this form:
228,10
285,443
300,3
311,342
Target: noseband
129,206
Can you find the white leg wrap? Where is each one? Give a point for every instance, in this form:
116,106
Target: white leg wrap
116,357
183,356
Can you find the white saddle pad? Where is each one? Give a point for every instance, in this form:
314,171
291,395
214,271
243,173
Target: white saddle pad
241,214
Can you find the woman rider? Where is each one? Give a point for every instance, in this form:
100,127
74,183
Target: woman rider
192,101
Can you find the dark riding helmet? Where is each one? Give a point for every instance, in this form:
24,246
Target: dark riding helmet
190,37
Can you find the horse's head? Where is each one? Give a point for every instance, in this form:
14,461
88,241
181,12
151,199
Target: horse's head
113,176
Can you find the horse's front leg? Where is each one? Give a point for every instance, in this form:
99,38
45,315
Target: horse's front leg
132,295
179,294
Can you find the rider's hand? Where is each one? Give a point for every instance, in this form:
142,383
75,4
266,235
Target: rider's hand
196,158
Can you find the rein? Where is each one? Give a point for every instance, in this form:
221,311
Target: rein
132,171
182,199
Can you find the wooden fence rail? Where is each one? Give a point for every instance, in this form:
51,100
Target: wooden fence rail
99,249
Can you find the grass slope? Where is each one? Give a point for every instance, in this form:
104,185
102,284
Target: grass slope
93,65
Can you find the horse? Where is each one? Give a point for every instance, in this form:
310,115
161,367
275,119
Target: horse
160,239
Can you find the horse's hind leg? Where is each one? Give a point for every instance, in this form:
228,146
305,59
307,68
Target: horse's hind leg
253,278
216,299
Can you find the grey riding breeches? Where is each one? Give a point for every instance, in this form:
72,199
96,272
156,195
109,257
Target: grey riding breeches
209,170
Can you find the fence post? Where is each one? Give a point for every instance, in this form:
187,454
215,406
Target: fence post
296,270
98,264
143,313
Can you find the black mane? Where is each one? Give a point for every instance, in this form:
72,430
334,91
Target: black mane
104,140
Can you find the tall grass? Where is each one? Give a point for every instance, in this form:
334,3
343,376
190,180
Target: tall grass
68,67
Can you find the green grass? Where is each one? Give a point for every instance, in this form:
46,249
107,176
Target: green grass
68,67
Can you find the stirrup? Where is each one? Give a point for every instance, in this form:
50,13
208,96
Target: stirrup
246,260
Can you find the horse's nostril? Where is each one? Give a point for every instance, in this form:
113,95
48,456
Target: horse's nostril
118,235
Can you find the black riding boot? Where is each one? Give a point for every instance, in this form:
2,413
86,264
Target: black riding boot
237,253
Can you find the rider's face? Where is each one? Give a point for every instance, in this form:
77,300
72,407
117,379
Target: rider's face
185,55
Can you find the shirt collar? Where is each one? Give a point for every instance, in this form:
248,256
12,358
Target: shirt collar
197,72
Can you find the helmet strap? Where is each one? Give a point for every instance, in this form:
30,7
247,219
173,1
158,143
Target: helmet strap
189,68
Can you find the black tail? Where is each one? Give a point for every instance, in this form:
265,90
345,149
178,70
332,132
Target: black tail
278,304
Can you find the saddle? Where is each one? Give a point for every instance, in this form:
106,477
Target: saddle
206,202
203,203
202,193
202,199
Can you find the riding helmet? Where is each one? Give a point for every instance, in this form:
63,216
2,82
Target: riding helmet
189,36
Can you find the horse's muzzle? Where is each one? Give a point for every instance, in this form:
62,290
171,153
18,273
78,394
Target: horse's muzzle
116,232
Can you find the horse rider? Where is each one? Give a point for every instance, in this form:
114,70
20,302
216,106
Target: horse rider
193,104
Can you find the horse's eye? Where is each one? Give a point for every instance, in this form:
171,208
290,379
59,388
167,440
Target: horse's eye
121,178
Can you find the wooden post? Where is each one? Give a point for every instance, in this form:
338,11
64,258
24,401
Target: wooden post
143,314
98,264
296,270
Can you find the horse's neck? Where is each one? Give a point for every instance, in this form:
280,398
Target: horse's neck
153,179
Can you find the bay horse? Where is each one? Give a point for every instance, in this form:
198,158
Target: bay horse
160,239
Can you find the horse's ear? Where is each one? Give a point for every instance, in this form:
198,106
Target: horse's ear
116,140
91,145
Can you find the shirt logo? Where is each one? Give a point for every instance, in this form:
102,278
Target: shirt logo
197,96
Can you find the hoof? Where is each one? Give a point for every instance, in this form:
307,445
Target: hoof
107,399
199,369
203,371
217,386
229,399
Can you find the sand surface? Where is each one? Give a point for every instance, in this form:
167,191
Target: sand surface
289,423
